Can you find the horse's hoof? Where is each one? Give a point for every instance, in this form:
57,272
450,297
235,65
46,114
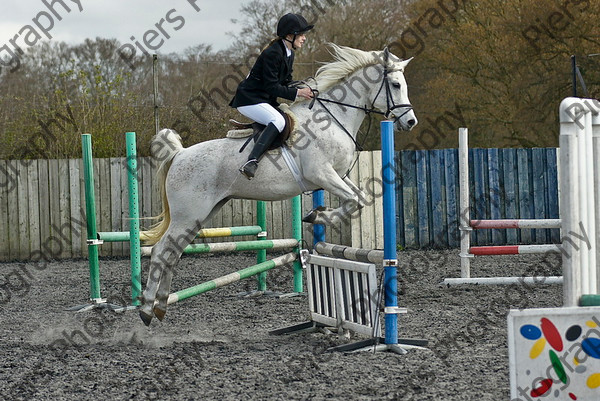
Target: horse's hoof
310,217
159,313
146,318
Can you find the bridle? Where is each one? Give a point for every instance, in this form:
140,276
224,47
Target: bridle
390,105
389,100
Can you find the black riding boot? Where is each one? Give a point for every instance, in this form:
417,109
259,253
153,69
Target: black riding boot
265,139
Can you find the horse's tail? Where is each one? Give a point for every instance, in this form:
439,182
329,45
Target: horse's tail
164,146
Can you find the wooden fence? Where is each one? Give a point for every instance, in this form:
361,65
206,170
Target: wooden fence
504,183
42,213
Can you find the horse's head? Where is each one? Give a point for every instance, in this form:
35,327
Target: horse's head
391,96
378,80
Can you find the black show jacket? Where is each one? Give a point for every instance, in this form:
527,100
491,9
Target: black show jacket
268,78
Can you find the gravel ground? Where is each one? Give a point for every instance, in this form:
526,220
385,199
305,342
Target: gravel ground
217,345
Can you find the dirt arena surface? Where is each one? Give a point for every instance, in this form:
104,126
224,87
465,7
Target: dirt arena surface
216,346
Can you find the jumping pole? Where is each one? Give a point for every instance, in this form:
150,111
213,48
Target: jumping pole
349,253
220,247
231,278
217,232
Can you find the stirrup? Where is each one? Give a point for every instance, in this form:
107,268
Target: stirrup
249,168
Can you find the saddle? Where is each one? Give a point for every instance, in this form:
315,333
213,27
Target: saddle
253,129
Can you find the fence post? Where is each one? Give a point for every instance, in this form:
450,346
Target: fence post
297,235
390,258
90,209
261,256
318,198
134,219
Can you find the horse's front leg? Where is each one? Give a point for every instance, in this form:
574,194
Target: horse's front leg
351,198
362,197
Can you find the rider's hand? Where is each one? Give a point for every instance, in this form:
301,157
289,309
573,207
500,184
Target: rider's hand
305,93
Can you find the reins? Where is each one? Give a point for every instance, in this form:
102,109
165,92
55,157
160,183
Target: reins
321,100
390,106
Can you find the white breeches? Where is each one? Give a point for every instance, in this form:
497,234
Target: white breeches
263,113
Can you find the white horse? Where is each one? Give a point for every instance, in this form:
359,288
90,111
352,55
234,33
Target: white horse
198,180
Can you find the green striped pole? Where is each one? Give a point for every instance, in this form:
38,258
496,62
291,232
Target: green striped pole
297,234
231,278
261,255
90,209
229,231
589,300
258,245
134,219
123,236
115,236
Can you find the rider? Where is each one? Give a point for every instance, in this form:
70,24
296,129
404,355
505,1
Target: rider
269,78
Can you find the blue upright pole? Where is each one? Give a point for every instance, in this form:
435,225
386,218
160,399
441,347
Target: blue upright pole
390,261
318,229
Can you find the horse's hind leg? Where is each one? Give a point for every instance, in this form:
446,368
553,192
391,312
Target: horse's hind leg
172,256
149,293
165,255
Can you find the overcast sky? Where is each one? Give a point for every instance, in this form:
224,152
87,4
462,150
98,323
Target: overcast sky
121,19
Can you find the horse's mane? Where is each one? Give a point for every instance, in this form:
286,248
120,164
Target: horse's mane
346,61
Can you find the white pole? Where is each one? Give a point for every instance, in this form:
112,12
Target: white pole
596,169
569,201
464,213
542,280
583,199
515,223
588,192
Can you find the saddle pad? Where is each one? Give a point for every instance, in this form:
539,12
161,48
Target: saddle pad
246,132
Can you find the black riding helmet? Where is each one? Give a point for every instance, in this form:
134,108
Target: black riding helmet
294,24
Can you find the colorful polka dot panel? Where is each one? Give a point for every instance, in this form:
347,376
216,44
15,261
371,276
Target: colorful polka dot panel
554,354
